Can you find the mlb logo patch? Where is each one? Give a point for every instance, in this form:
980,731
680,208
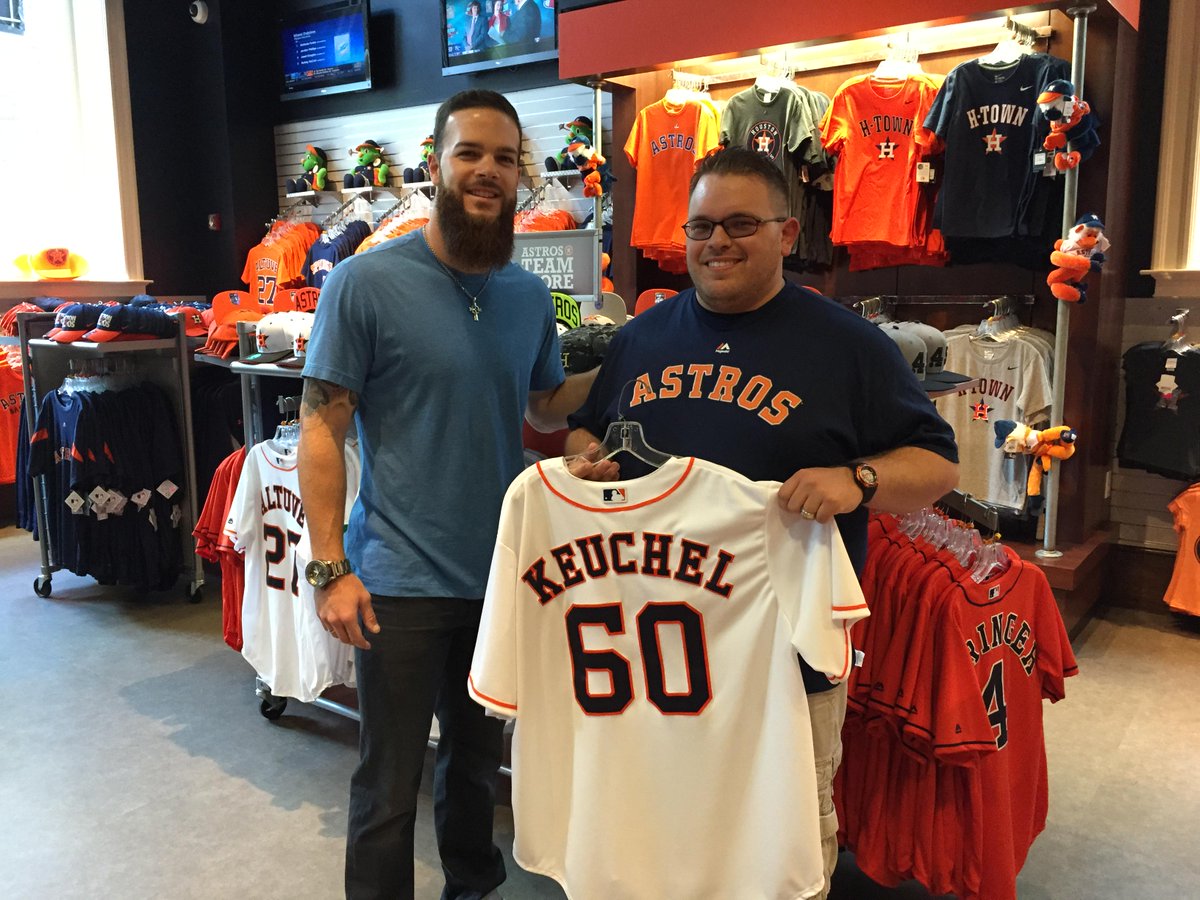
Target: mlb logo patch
994,592
614,495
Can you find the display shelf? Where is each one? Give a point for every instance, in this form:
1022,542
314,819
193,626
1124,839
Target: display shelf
210,360
103,348
244,368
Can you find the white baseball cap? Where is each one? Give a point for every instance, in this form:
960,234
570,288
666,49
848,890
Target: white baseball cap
274,336
300,336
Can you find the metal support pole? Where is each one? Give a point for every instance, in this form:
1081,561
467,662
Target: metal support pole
1062,326
598,200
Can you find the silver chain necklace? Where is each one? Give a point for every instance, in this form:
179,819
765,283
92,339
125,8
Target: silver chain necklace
474,308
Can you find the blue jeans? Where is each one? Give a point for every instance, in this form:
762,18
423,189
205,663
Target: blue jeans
417,666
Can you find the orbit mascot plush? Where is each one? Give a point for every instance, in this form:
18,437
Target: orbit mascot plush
372,169
420,172
1075,256
1071,120
579,153
1044,445
316,172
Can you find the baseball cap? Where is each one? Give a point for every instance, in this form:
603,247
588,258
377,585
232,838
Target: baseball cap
274,336
74,320
299,299
608,306
303,330
132,323
652,297
936,351
193,320
567,314
912,348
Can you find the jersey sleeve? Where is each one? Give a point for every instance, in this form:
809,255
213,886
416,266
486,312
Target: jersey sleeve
547,368
243,516
634,142
341,346
819,594
708,131
834,127
492,682
1055,658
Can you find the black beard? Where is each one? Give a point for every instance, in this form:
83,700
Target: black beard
473,241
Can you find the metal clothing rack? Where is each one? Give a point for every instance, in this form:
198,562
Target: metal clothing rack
44,366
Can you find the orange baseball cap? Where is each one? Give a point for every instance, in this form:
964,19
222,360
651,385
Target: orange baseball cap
647,299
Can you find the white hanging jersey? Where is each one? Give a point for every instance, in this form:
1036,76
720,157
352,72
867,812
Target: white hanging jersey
1014,385
282,638
644,634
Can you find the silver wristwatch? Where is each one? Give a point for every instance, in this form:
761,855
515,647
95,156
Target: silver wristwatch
320,572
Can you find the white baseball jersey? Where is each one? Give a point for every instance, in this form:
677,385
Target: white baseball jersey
1015,385
644,634
281,635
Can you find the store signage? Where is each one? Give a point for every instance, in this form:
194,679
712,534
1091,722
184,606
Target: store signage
565,260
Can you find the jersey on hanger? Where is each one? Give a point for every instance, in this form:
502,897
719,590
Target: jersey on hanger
1183,593
644,634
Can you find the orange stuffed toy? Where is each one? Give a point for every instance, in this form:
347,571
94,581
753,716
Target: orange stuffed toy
1049,443
1079,253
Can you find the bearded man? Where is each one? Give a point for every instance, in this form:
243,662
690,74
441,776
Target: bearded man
435,345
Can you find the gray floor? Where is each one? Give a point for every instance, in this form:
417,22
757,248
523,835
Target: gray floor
134,762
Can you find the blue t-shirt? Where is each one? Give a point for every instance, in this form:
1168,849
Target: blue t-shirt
799,382
441,402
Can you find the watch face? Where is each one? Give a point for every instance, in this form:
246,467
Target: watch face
316,573
867,475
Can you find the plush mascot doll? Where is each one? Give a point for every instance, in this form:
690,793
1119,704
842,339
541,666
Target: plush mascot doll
579,137
1049,443
371,170
1071,119
420,172
315,165
1079,253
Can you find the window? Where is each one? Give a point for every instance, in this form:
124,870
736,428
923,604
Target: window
12,16
67,148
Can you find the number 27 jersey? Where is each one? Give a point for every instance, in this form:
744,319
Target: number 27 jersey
644,634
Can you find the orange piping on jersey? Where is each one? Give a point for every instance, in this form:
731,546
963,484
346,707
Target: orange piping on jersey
479,693
42,435
267,457
606,509
847,608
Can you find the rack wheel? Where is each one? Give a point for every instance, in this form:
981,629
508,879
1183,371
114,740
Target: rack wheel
272,707
193,595
41,586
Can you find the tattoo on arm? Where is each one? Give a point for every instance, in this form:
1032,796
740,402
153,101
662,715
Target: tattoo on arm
322,393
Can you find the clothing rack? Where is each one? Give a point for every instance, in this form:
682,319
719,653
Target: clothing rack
941,299
45,365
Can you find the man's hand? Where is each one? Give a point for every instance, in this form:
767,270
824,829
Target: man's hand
581,465
339,606
821,494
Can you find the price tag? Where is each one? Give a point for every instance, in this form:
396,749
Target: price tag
118,503
925,173
141,498
153,519
98,497
75,503
176,516
168,489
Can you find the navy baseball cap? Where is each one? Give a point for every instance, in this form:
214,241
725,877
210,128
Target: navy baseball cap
133,323
74,320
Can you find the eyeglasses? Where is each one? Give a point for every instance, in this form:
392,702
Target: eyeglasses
735,226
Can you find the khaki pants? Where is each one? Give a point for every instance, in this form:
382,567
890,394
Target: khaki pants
827,711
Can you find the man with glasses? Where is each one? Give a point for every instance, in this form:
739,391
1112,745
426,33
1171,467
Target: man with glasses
778,383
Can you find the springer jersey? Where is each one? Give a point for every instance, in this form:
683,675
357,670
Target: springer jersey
282,638
644,634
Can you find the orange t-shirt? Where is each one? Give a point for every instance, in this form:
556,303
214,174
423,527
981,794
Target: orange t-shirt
11,392
1183,593
663,146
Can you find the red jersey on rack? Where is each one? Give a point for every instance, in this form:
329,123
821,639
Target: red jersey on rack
12,388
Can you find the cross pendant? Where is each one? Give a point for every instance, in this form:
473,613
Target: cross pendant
475,310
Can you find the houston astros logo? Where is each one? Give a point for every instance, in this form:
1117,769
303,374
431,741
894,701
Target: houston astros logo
887,150
993,141
765,139
979,411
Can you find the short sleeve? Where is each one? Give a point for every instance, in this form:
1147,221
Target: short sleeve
341,347
708,132
548,371
938,120
243,517
834,127
818,591
1036,396
634,141
492,682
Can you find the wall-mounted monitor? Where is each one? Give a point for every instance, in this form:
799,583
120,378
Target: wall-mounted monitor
478,35
326,49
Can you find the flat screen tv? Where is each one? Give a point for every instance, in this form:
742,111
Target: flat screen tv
478,35
325,49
